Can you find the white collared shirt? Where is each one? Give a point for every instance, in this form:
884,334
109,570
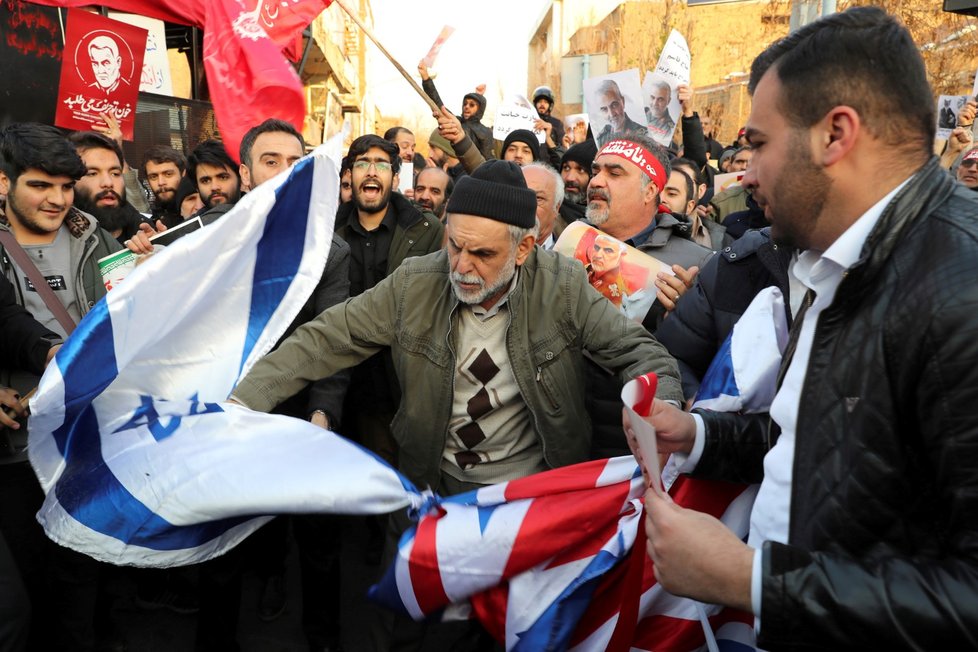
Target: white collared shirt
821,272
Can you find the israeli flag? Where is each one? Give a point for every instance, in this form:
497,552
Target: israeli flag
743,374
141,459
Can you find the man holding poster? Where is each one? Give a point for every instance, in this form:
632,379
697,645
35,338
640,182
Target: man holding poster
102,57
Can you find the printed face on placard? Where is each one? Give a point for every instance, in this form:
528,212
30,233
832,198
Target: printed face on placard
660,98
605,254
104,61
612,108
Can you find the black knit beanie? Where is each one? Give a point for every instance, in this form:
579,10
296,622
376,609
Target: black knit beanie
582,153
184,188
497,190
523,136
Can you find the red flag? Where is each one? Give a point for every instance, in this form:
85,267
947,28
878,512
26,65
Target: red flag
248,76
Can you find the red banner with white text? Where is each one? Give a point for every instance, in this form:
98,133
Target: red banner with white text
249,78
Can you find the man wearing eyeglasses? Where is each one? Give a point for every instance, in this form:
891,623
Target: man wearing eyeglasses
382,228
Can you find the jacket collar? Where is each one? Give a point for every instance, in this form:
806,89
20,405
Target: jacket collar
405,214
664,227
928,188
78,223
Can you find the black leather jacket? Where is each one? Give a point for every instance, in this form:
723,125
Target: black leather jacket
883,540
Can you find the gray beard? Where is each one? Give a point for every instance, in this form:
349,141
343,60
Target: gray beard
596,216
575,197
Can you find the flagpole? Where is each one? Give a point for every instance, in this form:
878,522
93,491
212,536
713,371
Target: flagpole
370,35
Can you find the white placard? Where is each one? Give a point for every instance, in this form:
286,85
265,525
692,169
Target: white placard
659,89
155,76
614,104
516,112
726,181
405,179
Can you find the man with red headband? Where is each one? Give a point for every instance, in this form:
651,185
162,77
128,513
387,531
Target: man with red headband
629,174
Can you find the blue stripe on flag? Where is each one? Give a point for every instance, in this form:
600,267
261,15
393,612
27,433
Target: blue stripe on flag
719,379
555,626
87,489
386,592
279,250
116,512
485,513
82,383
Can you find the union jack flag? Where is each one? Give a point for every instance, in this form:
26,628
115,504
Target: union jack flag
557,561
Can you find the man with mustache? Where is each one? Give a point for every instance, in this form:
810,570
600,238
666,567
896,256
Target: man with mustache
488,339
629,174
163,168
624,201
101,192
575,171
217,179
432,189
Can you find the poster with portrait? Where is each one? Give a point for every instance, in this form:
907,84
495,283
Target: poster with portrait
614,104
621,273
576,125
948,107
100,72
659,89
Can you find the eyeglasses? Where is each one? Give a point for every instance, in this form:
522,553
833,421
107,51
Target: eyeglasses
381,166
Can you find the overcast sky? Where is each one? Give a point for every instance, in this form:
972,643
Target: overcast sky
489,46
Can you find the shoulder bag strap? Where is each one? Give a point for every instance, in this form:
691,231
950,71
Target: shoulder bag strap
40,283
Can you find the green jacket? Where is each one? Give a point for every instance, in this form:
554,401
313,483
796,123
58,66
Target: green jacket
417,233
555,316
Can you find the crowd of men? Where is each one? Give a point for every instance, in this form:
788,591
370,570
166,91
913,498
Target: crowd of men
863,532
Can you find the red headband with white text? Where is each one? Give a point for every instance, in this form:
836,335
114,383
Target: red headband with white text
639,156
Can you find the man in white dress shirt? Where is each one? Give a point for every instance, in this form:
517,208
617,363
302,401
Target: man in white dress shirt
864,534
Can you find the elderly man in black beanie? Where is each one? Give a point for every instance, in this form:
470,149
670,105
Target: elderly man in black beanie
488,339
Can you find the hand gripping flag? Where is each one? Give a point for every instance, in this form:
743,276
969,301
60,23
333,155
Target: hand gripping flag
141,460
249,78
557,561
